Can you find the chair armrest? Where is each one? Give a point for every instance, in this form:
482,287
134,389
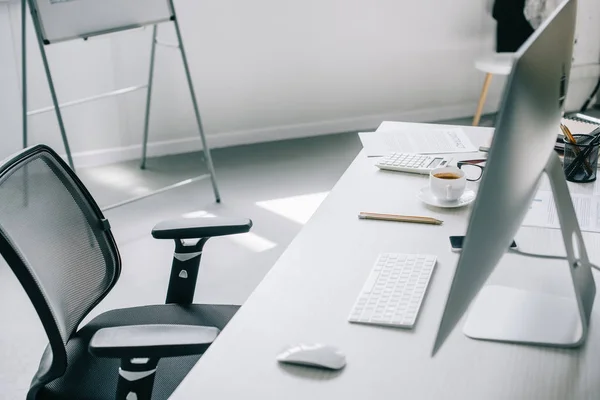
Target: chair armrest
152,341
195,228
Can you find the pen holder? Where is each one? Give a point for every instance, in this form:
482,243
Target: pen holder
581,159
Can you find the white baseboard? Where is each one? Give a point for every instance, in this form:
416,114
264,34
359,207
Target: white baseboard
235,138
580,73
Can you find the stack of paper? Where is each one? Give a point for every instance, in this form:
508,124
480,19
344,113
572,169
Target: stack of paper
586,200
403,137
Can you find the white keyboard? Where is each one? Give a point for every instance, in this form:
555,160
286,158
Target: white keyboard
412,163
393,293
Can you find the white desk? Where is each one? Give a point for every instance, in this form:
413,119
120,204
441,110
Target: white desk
308,294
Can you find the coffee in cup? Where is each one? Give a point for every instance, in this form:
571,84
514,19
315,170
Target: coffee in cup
447,183
447,175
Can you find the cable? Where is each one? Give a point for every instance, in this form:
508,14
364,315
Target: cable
546,257
533,255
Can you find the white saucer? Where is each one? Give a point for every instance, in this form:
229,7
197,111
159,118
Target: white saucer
427,197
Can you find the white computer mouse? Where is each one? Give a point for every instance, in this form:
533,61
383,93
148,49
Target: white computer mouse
313,355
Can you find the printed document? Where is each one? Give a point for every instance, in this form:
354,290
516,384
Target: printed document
542,212
413,138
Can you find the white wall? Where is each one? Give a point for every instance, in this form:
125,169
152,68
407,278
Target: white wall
268,70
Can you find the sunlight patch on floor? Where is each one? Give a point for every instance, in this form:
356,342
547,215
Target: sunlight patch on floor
296,208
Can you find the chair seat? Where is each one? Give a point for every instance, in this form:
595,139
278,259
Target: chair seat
497,64
91,378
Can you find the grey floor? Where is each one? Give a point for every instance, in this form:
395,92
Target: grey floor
278,185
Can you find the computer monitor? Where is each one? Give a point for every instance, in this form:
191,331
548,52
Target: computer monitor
522,150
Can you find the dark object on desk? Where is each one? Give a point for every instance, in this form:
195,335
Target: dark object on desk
472,168
575,123
512,29
581,159
59,245
456,243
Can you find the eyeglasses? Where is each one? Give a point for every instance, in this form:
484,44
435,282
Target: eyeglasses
472,169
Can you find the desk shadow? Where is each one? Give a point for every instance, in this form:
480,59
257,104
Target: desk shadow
310,373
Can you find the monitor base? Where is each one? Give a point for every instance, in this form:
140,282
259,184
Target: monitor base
506,314
512,315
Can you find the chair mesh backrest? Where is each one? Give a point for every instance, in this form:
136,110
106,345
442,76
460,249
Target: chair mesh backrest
56,229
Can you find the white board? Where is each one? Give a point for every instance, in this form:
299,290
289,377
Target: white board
71,19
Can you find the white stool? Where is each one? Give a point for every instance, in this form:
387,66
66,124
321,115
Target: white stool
495,64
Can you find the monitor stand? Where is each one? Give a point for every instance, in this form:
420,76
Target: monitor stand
513,315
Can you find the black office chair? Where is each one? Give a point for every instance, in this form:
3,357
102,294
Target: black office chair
59,245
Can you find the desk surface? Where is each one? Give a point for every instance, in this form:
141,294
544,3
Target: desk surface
308,294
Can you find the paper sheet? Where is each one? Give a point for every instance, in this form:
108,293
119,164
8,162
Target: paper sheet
542,212
416,140
372,145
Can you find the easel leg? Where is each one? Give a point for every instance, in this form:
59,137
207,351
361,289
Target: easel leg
149,98
61,124
24,93
205,148
24,67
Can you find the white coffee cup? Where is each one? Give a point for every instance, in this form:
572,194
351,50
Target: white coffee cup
450,187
